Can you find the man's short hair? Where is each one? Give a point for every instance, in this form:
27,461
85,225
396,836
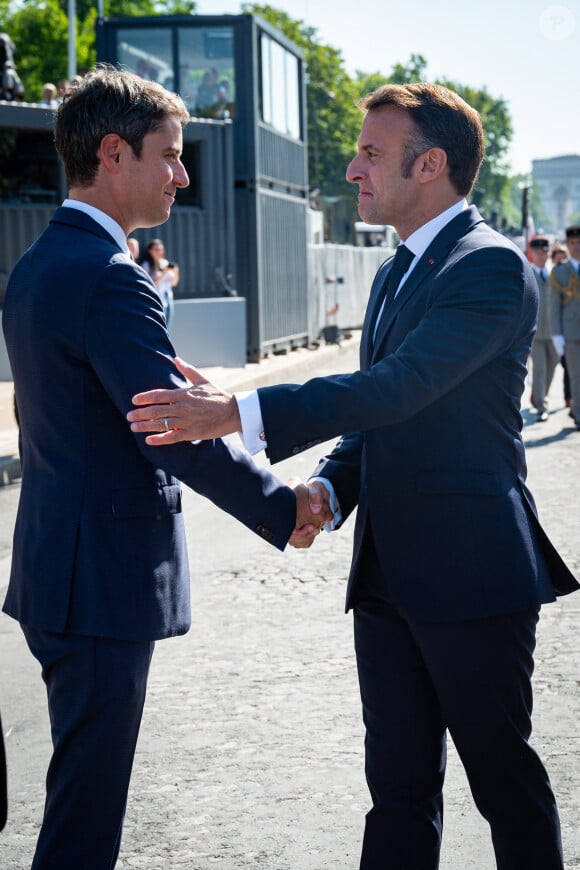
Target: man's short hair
442,119
109,100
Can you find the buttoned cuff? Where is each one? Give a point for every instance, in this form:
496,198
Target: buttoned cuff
252,434
333,504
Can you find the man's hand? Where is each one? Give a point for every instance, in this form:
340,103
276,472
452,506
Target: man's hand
312,511
199,412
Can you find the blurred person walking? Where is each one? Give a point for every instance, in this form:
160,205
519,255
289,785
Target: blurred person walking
565,316
165,275
544,356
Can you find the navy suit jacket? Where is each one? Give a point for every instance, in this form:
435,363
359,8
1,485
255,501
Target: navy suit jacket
99,543
431,449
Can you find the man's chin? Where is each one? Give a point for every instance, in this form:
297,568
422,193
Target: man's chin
368,217
156,220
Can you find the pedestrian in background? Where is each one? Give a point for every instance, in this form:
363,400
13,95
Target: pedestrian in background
133,246
165,275
49,94
565,316
544,356
558,254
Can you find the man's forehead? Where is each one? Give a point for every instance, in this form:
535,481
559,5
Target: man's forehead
168,128
381,122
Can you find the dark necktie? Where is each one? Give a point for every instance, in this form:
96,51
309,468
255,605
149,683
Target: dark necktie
401,262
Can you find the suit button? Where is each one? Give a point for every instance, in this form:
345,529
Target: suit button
264,532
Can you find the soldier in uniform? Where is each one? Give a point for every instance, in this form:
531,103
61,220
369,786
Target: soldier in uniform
544,356
558,254
565,315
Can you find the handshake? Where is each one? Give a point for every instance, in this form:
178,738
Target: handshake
312,511
203,411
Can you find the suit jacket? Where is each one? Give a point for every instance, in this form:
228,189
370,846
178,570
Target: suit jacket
431,449
99,543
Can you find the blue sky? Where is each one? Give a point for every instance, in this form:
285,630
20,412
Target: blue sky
526,53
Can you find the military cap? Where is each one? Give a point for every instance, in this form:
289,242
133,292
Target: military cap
572,232
540,242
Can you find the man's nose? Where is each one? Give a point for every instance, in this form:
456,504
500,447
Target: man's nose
180,176
353,172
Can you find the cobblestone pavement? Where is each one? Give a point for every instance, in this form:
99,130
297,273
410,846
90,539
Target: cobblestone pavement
251,755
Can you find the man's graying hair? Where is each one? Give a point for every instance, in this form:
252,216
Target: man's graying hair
109,100
441,119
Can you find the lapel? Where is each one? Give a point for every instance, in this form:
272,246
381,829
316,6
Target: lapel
430,260
372,312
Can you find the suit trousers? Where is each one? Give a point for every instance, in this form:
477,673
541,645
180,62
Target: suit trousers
96,691
420,680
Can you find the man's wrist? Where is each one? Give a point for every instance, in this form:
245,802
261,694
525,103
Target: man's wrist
251,427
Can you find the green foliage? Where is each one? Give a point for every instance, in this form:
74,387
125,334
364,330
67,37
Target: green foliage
332,97
333,116
39,23
45,23
493,180
413,72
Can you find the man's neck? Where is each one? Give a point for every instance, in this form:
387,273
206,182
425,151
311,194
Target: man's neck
427,213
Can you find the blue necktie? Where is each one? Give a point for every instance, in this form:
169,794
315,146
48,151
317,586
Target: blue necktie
400,264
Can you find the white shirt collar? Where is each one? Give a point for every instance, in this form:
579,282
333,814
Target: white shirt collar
102,218
419,241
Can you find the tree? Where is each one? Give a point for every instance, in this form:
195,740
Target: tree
332,96
413,72
493,180
39,23
333,118
45,23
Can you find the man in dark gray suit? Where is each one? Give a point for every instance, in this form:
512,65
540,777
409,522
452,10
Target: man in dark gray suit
99,567
544,356
565,315
450,563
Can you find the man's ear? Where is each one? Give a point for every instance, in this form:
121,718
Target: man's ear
431,165
110,151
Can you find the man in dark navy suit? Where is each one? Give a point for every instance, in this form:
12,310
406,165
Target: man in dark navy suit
450,563
99,568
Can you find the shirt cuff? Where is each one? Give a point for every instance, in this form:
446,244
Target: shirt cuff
334,505
252,434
